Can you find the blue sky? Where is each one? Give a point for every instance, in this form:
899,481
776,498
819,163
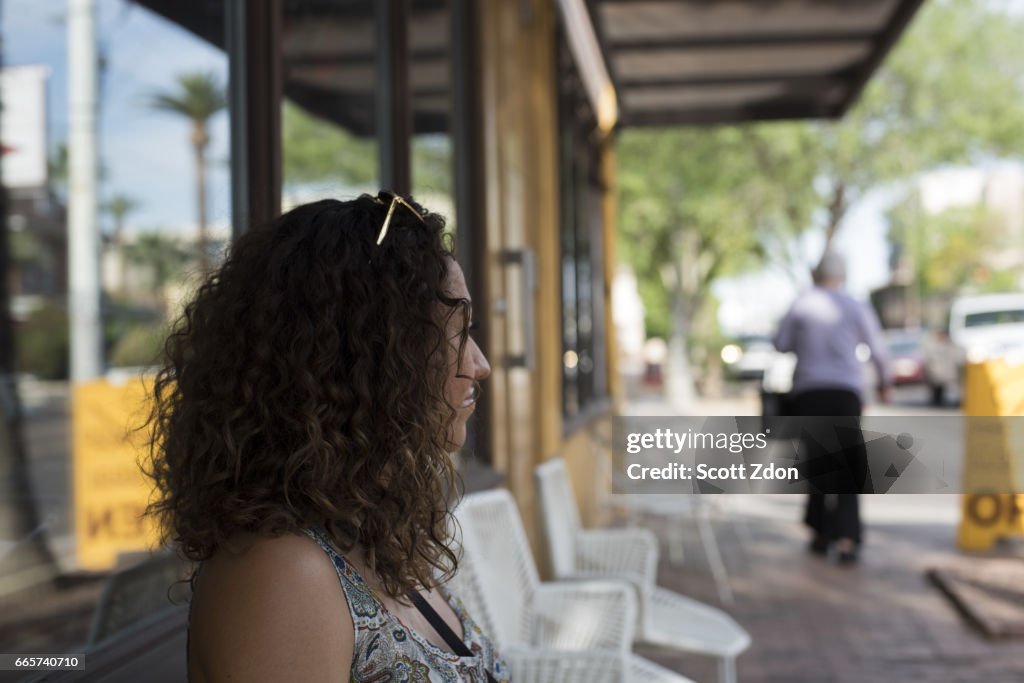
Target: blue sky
145,153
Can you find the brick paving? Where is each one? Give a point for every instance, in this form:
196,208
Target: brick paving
816,622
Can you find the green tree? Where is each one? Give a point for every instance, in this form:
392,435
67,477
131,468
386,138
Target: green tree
58,169
316,150
950,92
197,98
118,207
700,203
695,206
162,256
140,345
432,163
44,348
26,249
948,251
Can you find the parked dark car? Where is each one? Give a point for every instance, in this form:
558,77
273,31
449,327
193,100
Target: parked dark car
907,362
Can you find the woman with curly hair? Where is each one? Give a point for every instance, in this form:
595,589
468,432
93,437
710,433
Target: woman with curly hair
302,429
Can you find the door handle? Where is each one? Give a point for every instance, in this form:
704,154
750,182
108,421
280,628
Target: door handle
525,260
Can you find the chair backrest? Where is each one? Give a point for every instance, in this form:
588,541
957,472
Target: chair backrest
561,518
501,576
466,585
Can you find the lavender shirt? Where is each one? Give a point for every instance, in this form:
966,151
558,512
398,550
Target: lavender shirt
824,327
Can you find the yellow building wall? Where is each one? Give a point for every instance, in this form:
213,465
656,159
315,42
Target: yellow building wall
518,68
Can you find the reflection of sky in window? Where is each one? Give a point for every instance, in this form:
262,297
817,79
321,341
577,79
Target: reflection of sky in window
145,154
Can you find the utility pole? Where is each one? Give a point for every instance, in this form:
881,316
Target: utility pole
83,232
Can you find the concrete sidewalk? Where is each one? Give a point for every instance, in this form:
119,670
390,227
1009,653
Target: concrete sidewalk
812,620
816,622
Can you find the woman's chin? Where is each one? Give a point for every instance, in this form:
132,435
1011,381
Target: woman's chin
457,435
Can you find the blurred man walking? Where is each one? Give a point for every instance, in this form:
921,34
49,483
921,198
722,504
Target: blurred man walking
823,328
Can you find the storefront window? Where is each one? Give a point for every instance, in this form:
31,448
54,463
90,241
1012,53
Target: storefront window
142,172
431,96
71,497
329,112
583,354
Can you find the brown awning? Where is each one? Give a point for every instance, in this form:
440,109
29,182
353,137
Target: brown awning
718,61
328,56
671,61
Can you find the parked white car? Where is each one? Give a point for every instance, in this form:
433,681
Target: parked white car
748,357
987,326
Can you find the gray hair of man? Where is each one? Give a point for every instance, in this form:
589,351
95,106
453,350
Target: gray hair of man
831,270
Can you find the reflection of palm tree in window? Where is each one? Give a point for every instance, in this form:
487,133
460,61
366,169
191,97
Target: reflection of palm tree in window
163,257
197,98
58,170
318,152
119,206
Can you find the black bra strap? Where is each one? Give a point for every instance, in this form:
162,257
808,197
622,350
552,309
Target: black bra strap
442,627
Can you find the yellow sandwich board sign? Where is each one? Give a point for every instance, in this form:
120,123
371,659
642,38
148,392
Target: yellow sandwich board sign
994,455
109,489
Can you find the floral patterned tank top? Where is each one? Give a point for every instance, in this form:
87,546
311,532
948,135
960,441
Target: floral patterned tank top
385,650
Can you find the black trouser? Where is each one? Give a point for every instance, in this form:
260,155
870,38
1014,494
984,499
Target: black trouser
835,514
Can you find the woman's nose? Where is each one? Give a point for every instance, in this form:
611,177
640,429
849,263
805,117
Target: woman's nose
483,368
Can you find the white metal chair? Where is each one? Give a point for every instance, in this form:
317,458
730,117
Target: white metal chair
676,509
560,632
667,619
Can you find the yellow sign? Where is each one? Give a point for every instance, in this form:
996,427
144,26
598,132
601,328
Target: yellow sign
994,460
110,491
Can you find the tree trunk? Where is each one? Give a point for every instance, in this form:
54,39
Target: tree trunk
679,378
204,257
836,211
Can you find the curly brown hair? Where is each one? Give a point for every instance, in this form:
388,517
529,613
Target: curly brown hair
304,386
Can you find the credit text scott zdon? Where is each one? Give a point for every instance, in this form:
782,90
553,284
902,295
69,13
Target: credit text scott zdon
734,472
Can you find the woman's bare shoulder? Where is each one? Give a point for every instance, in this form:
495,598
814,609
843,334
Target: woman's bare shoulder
272,611
274,558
